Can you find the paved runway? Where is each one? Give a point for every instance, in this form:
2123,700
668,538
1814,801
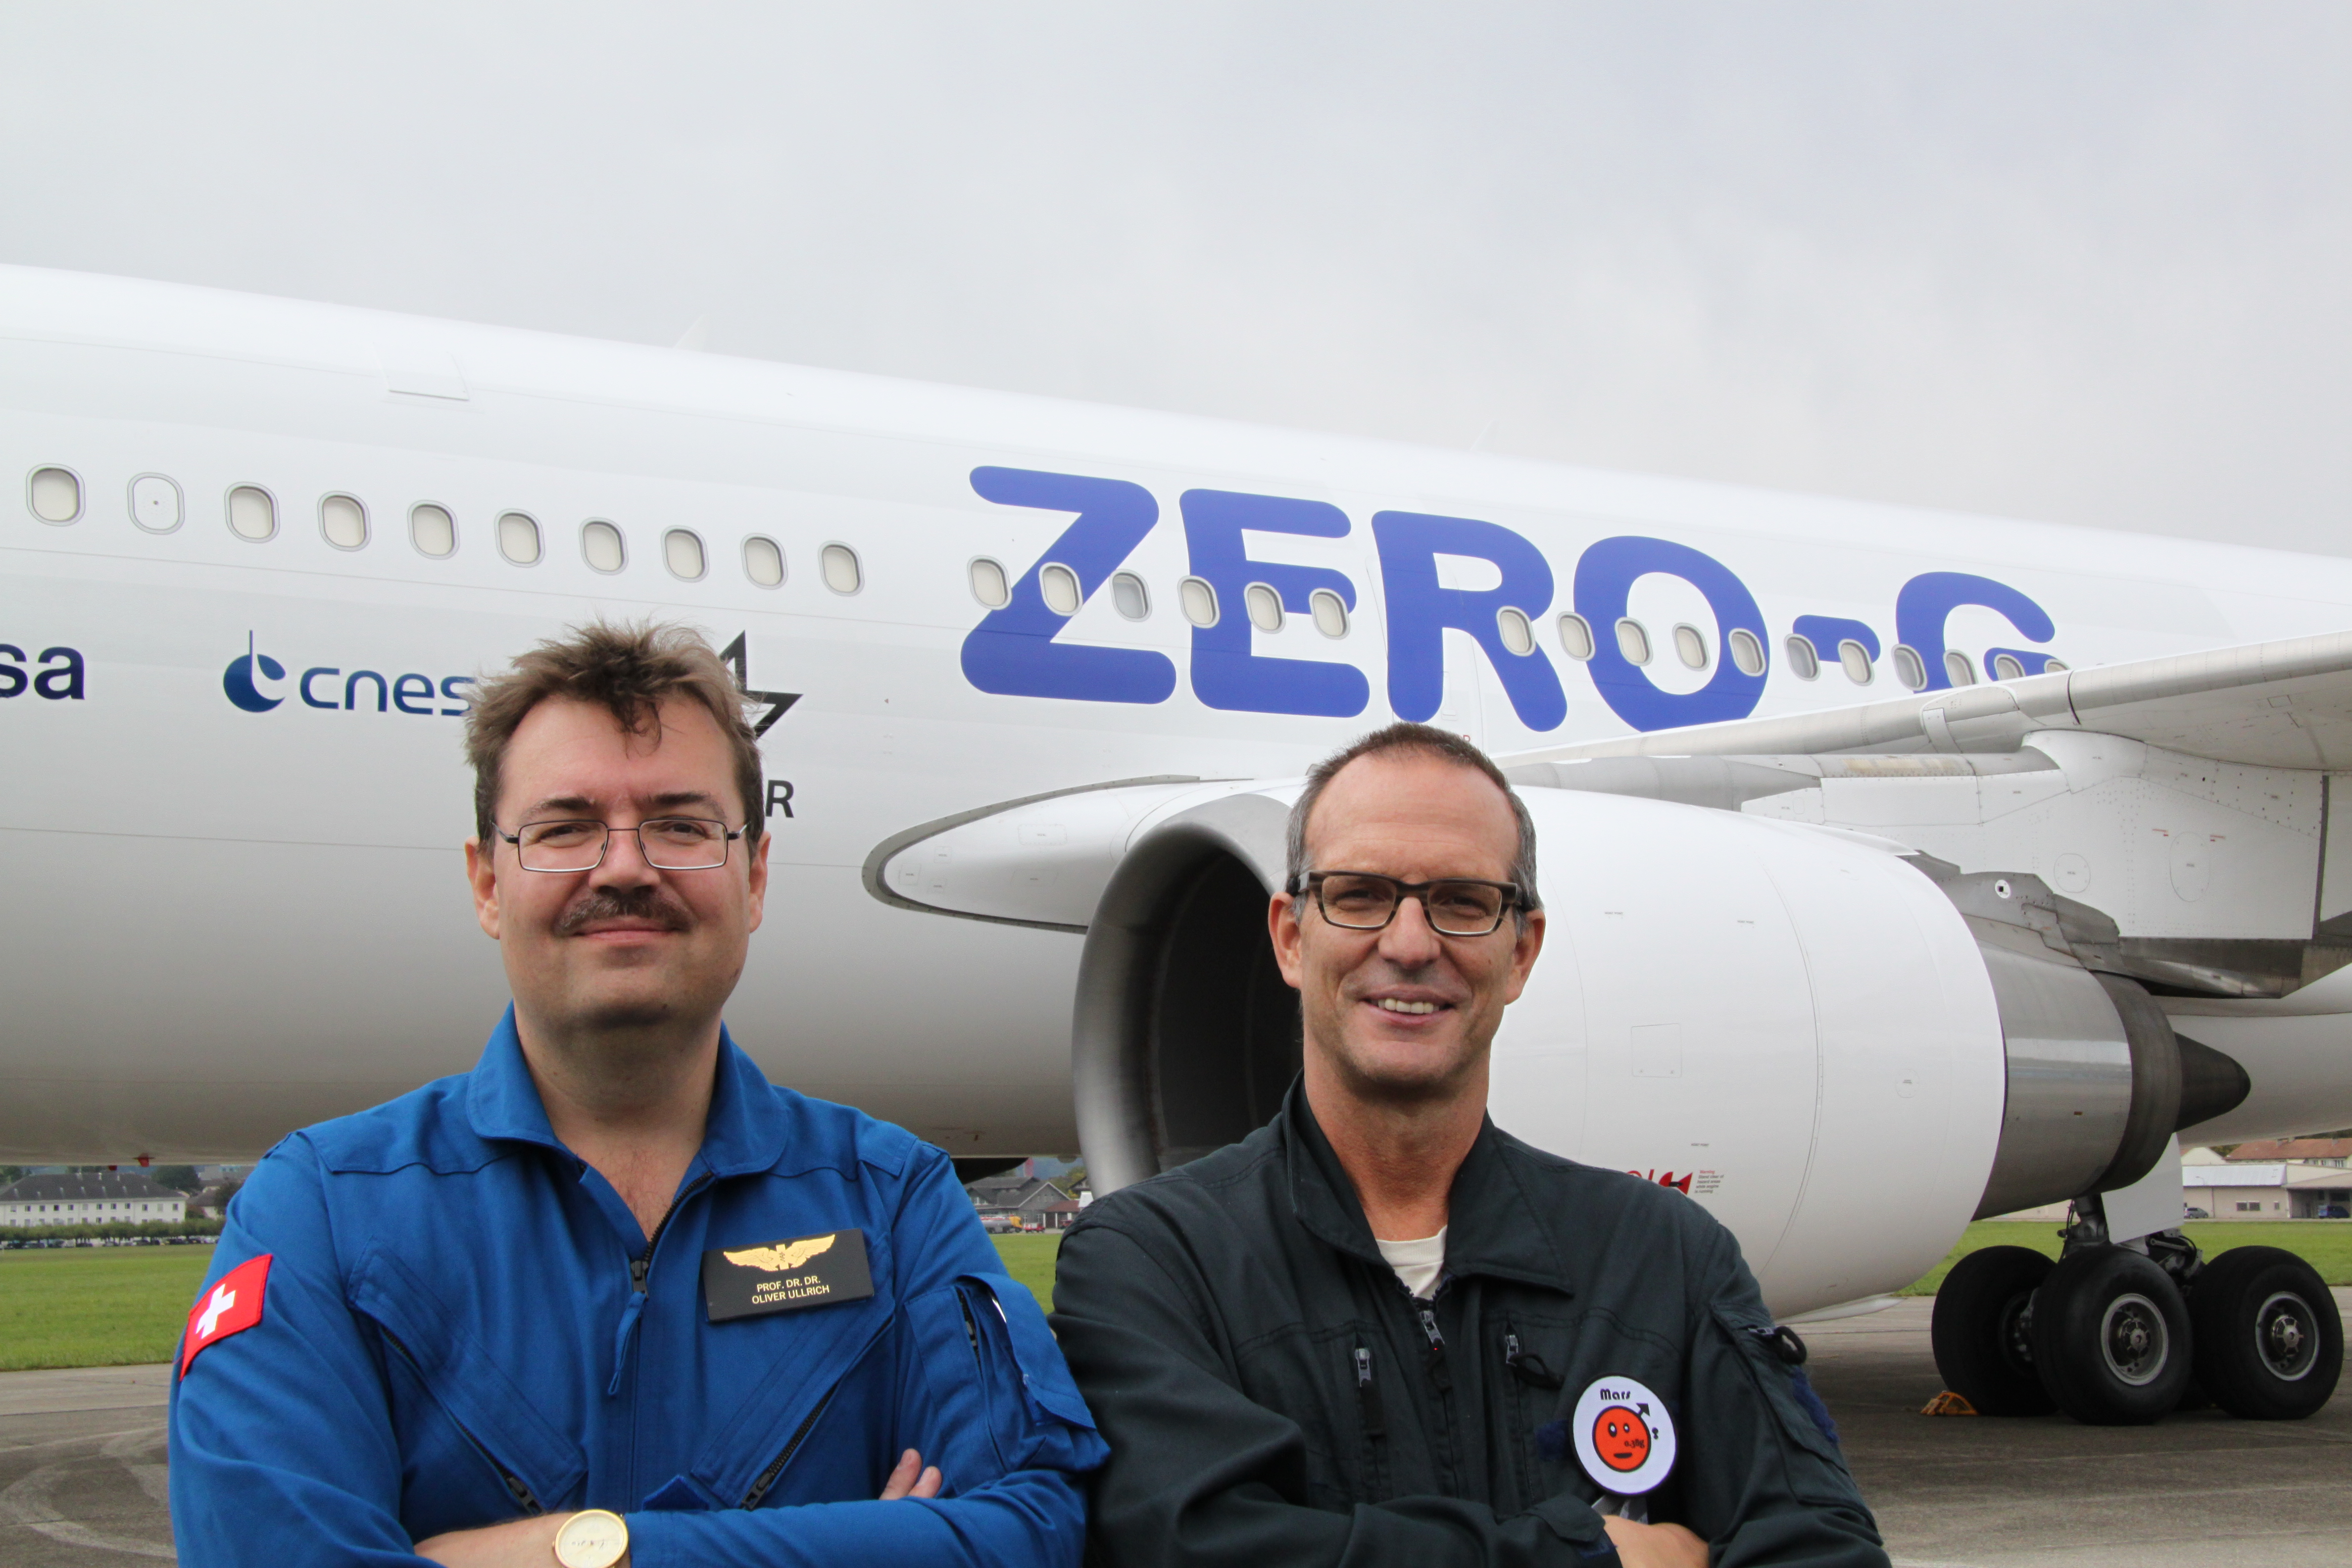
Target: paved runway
81,1470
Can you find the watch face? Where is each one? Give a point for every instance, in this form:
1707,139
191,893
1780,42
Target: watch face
592,1539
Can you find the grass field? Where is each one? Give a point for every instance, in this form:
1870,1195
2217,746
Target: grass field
96,1306
2327,1245
106,1306
109,1306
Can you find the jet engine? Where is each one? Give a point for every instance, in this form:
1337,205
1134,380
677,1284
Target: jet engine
1843,1049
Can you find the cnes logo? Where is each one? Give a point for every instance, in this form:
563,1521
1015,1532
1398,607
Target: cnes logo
258,683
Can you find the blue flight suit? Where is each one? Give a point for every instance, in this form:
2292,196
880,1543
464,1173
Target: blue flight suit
463,1324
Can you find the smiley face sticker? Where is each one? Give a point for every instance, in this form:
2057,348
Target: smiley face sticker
1624,1438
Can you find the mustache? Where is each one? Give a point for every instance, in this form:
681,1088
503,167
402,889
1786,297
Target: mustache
623,904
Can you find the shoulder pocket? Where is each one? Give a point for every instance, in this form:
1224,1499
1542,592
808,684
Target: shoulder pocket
996,1396
1761,1346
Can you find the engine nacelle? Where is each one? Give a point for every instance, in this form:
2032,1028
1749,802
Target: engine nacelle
1793,1025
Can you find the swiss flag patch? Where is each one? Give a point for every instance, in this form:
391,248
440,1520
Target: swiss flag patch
232,1306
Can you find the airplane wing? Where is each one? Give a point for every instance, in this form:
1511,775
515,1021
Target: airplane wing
2285,704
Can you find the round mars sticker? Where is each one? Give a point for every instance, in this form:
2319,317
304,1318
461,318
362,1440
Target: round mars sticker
1624,1438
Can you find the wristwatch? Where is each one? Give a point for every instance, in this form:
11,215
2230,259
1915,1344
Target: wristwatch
592,1538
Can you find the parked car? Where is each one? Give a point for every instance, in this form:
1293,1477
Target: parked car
2335,1211
2191,1212
999,1223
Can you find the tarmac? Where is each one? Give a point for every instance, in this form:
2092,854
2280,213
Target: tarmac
82,1470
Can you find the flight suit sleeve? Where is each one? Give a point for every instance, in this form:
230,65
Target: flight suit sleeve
980,1390
1200,1476
281,1442
1761,1471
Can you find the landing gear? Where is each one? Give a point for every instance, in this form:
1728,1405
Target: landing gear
2270,1342
2110,1337
1981,1330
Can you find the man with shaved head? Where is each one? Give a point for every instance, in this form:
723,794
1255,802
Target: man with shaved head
1382,1330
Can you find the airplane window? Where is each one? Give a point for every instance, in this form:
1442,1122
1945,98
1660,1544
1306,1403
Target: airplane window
1909,668
54,495
839,566
1199,600
1690,646
1129,596
432,530
518,539
1518,635
1957,667
1060,586
1575,636
1802,658
252,514
2007,667
1855,659
988,585
1265,607
682,553
763,562
1632,641
156,503
344,520
1331,612
2051,663
601,547
1747,651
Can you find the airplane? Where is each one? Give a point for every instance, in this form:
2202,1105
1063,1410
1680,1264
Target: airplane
1903,867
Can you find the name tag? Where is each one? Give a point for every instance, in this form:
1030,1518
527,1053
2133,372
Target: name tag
785,1276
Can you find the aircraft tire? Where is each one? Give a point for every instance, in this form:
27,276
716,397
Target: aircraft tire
2112,1338
2269,1340
1977,1330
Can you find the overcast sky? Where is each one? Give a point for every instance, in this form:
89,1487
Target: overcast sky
2085,262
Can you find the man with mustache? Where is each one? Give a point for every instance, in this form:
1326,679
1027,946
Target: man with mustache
613,1296
1381,1331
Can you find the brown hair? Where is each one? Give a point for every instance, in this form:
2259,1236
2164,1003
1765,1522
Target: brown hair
627,671
1431,742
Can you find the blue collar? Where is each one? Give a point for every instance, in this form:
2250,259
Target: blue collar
745,1132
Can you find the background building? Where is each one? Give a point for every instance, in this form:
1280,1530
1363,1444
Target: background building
96,1197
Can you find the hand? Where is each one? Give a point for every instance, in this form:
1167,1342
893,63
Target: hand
1654,1545
911,1478
517,1544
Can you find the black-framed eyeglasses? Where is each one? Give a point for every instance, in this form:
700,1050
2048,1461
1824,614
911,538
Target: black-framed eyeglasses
1456,906
578,843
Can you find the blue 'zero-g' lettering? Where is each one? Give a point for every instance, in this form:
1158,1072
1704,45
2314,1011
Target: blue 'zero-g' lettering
1604,587
1928,601
1013,652
1419,613
1226,673
1825,632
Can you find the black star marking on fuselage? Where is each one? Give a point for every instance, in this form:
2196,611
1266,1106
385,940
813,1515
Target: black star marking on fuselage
779,702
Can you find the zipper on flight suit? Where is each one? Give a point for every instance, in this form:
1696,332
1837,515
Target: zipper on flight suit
767,1477
514,1483
639,1267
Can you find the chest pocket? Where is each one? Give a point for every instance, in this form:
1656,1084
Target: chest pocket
985,1400
473,1450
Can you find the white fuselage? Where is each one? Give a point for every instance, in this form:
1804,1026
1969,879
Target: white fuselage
222,923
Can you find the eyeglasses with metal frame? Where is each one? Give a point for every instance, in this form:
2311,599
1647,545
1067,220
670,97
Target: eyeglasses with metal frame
1455,906
580,844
